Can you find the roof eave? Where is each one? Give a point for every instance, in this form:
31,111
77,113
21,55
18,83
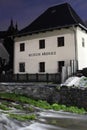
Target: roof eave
44,30
83,27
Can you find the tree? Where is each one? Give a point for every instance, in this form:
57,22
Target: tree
9,45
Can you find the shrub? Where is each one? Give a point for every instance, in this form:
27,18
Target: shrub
56,107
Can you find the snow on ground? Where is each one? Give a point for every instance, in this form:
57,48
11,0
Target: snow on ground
76,81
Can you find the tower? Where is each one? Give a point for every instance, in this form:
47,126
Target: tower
12,29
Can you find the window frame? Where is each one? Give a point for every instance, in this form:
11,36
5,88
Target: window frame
22,67
60,41
22,47
41,66
60,65
42,44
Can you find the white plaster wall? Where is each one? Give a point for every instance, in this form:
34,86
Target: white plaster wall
65,53
82,51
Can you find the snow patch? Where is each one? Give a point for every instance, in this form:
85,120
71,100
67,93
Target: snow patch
76,81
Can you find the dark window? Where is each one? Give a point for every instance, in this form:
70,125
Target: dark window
42,67
21,67
60,41
83,42
22,46
41,44
60,65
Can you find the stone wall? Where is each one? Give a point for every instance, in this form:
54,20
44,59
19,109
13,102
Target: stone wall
73,96
49,92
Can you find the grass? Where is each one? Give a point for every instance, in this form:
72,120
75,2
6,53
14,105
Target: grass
4,107
23,117
39,103
72,109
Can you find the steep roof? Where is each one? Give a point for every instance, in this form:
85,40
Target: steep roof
58,16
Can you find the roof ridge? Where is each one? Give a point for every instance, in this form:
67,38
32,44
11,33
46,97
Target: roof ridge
56,5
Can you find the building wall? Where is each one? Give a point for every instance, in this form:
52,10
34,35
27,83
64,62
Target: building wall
32,55
82,51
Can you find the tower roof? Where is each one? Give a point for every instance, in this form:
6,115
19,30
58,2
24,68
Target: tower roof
58,16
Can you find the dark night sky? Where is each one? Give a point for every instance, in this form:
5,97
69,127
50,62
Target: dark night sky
25,11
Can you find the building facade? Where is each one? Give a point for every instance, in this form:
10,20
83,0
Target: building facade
45,47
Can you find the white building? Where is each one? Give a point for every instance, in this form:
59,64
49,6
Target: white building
56,38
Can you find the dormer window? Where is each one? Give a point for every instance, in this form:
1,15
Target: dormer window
53,11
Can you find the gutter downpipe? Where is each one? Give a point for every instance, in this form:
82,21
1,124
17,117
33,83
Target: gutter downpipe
75,42
75,62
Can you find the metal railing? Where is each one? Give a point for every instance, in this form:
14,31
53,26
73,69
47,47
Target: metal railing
31,77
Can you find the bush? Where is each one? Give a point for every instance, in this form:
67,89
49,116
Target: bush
56,107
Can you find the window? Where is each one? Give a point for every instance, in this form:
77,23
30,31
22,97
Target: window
83,42
42,67
22,46
60,65
41,44
22,67
60,41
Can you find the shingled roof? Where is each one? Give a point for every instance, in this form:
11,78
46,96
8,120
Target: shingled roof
55,17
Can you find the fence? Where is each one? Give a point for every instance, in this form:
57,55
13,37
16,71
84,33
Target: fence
31,78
